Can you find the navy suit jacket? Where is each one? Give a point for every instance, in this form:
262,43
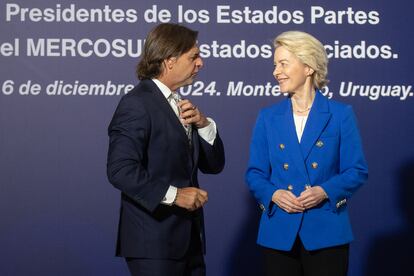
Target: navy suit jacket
148,152
329,155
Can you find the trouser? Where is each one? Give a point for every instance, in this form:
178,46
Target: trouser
332,261
192,264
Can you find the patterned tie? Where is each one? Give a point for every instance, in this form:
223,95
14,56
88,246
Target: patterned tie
176,98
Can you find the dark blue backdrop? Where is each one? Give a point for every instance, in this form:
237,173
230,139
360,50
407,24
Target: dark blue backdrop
58,213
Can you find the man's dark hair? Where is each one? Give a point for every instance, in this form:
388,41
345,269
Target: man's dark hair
164,41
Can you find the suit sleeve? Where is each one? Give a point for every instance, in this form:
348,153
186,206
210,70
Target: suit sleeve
259,168
126,165
353,170
211,157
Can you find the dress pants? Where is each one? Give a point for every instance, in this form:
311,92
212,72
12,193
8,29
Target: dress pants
331,261
192,264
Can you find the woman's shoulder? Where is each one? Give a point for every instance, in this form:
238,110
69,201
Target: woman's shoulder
339,107
275,108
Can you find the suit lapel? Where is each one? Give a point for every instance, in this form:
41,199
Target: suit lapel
165,107
195,153
287,132
317,120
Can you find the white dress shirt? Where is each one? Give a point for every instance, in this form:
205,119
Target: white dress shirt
207,133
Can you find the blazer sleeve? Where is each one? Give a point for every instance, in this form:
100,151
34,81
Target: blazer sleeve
211,157
259,168
353,169
128,139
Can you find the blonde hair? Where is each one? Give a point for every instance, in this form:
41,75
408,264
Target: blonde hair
309,51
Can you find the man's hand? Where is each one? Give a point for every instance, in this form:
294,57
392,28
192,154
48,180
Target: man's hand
190,114
190,198
287,201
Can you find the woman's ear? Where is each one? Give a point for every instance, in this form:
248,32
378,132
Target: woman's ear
309,71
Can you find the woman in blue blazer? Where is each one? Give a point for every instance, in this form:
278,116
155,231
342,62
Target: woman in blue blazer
306,161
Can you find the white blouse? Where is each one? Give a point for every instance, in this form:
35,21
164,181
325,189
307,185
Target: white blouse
300,122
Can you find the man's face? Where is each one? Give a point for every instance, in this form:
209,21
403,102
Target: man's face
185,68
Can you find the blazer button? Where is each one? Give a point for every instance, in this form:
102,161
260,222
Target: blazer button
261,206
307,186
285,166
314,165
319,144
340,203
290,187
282,146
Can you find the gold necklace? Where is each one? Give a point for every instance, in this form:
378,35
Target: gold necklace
303,111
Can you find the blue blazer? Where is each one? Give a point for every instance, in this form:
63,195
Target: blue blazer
148,152
330,155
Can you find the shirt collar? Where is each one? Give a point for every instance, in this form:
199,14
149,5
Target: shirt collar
164,89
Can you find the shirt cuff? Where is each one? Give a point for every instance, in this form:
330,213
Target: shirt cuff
170,196
209,132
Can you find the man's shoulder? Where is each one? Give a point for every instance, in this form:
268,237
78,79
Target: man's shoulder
143,93
144,88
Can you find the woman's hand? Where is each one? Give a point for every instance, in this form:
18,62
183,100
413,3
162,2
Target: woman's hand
312,196
287,201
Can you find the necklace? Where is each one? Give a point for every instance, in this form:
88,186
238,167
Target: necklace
304,110
294,104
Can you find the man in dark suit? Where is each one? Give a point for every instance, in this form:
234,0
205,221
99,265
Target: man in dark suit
157,144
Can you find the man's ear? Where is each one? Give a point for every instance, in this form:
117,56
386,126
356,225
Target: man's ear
170,62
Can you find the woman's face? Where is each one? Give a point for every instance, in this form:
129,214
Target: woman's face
290,72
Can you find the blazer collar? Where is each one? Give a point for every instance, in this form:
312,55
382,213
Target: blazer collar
283,119
319,116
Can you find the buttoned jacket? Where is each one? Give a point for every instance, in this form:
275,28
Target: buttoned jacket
329,155
148,151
